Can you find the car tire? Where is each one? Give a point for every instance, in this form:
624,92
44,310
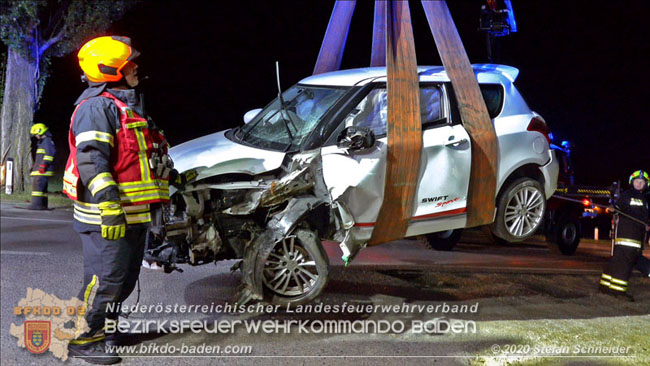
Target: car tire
520,210
295,261
444,240
567,233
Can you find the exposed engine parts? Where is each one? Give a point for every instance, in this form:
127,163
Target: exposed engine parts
207,245
269,222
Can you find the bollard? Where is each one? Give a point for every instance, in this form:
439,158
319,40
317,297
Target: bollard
596,233
9,178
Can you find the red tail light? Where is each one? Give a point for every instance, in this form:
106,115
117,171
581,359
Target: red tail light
537,124
586,202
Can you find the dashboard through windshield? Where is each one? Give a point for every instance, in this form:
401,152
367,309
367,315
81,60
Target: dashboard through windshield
287,121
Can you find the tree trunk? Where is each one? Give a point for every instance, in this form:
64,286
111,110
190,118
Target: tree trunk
17,116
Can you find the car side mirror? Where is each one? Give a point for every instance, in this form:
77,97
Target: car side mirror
248,116
356,138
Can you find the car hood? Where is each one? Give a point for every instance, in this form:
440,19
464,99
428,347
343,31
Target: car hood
215,154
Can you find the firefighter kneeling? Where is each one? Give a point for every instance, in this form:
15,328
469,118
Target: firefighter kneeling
630,235
113,176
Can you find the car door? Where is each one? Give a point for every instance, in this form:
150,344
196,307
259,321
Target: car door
357,178
446,158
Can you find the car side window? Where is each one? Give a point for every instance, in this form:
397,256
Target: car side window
431,106
372,111
493,96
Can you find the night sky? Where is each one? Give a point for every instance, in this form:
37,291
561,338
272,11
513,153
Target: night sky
583,67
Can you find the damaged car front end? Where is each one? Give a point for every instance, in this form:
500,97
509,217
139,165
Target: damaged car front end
256,194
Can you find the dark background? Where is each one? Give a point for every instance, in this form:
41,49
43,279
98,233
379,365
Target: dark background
583,67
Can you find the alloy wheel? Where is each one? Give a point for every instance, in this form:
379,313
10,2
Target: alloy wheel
289,269
524,211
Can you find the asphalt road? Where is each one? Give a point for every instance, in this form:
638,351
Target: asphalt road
40,250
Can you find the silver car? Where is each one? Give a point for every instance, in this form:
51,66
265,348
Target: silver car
310,166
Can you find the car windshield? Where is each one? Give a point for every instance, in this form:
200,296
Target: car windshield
282,127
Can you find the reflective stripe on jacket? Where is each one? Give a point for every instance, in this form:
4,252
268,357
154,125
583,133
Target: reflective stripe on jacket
88,213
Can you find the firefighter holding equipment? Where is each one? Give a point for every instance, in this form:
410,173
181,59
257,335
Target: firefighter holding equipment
629,237
114,186
43,166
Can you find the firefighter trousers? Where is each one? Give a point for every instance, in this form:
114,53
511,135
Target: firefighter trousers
39,193
111,269
619,268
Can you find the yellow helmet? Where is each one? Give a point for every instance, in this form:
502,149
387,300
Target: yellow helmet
103,58
640,174
38,129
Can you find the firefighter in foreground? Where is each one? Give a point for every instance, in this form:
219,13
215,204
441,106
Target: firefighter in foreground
43,166
115,175
629,238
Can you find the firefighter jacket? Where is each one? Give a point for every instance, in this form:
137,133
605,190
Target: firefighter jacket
111,148
44,156
629,232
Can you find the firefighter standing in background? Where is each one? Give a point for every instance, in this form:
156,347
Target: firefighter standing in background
630,236
43,166
115,175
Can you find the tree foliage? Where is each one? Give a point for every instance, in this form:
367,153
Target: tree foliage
41,29
34,31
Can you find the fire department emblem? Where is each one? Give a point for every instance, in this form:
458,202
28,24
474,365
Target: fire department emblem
37,335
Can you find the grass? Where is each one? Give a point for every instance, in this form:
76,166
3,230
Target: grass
584,338
542,319
55,197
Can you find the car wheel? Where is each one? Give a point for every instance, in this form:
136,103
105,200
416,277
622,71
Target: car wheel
567,236
444,240
520,210
296,270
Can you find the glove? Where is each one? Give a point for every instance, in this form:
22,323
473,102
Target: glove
113,220
41,168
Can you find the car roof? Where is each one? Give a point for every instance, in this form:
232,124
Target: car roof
485,73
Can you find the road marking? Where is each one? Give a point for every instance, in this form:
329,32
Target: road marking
13,252
33,219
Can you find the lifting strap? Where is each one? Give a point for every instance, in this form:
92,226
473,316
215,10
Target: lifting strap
393,43
403,127
473,112
331,50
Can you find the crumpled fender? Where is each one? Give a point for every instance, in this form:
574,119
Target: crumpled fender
257,251
307,171
251,287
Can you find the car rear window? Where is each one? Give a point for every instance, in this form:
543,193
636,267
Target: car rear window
493,96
